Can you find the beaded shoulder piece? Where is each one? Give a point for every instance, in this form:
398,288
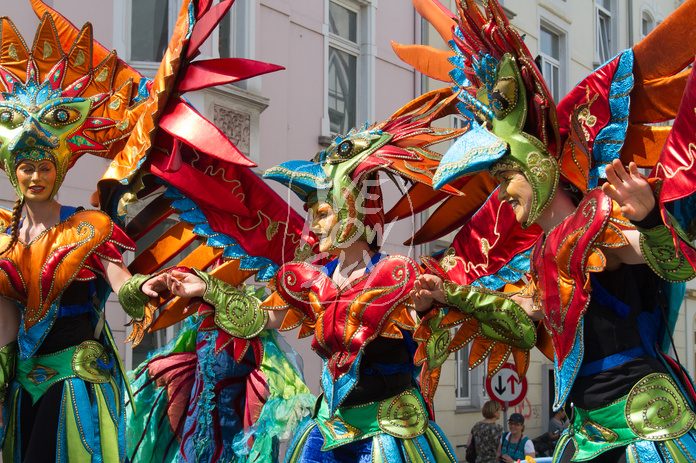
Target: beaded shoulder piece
68,251
346,319
561,266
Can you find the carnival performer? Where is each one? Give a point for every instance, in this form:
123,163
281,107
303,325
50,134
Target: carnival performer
209,397
608,265
62,386
614,351
68,96
66,370
355,304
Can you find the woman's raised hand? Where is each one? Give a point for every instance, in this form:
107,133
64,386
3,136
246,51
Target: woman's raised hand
426,290
182,284
630,190
154,285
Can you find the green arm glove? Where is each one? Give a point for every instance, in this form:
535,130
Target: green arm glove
132,298
8,354
659,250
236,313
501,319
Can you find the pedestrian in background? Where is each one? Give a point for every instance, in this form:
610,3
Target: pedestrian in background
485,435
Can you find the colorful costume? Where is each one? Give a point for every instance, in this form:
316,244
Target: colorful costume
207,396
63,374
371,408
66,400
67,96
198,402
609,329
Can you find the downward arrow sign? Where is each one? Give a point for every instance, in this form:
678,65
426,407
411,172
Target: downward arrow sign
500,388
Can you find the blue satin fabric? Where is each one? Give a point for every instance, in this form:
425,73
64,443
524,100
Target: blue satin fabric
355,452
217,403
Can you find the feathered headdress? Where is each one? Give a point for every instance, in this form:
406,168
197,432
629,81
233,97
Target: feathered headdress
160,146
63,97
506,100
515,124
397,146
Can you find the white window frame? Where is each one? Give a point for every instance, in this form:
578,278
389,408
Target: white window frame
476,381
344,45
461,362
242,35
365,50
651,17
610,19
559,88
459,122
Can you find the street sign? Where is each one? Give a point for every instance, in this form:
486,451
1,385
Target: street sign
506,386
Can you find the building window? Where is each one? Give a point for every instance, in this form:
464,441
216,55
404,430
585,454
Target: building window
647,24
605,31
462,377
152,22
458,122
344,52
349,66
550,53
150,26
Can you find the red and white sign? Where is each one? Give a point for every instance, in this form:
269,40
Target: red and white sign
506,386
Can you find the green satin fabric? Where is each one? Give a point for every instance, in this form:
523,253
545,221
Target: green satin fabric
236,313
37,374
659,251
501,318
403,416
8,356
653,410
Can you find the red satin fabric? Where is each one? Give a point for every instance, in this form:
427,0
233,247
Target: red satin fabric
488,241
561,263
349,318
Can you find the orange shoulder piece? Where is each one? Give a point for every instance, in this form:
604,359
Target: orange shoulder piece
52,261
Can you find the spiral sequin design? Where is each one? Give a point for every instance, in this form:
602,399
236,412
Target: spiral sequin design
403,416
656,410
242,311
438,343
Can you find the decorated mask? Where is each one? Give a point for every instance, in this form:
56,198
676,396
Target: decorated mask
500,142
55,104
524,152
345,174
38,124
343,177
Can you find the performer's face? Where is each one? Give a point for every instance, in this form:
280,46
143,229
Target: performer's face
36,179
517,192
323,222
42,131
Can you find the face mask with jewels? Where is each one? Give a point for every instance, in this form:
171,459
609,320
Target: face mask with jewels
56,104
38,124
345,174
340,177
